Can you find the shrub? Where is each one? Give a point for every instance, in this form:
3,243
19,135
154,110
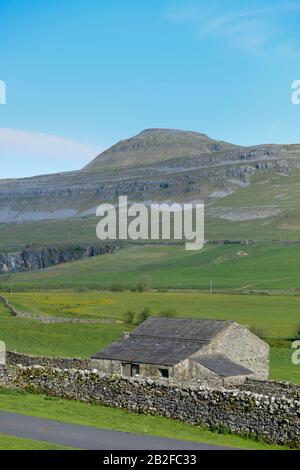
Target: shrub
129,317
168,313
143,284
142,316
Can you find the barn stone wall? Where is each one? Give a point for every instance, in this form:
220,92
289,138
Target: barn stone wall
195,373
115,367
242,347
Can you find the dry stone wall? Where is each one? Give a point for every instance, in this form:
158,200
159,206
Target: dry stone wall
273,388
243,412
14,359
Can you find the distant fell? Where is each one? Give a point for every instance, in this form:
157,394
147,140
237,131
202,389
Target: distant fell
156,145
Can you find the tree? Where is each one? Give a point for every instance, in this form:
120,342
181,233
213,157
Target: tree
144,283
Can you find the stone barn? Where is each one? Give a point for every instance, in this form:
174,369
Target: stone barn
210,352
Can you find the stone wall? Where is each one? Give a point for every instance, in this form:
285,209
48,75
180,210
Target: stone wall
13,359
273,388
275,419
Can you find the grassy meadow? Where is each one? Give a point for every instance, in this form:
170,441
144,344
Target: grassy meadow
275,315
19,443
231,267
63,339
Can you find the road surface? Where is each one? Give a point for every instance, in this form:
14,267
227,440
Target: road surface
89,438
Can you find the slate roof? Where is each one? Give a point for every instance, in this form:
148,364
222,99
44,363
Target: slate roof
164,341
180,328
221,365
144,350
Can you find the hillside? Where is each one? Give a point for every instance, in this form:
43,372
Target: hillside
156,145
249,192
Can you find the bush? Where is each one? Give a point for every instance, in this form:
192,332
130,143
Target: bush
168,313
142,316
129,317
143,284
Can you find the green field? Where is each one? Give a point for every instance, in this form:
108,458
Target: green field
18,443
118,419
276,316
241,268
69,340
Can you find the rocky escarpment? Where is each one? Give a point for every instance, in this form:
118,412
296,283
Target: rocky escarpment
29,259
186,169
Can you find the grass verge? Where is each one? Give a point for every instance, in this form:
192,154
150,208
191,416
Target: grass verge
19,443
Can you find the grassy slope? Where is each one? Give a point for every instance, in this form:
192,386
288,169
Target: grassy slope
281,366
234,267
69,340
268,190
118,419
18,443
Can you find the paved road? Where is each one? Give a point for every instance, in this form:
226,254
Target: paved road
89,438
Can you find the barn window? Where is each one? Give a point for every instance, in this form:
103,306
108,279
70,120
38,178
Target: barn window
130,370
164,373
135,370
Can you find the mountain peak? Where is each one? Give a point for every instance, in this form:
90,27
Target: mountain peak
156,145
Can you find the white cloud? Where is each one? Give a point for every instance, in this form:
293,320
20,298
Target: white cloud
26,153
17,141
247,28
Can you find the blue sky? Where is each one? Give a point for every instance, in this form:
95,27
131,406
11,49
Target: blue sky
83,74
